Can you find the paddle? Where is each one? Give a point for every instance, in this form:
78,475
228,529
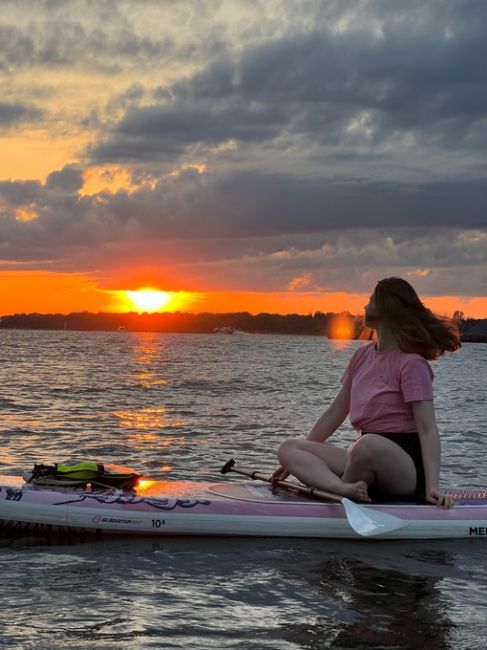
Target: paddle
363,519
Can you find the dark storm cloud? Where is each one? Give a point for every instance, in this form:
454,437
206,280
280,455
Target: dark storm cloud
155,133
199,206
16,193
268,204
13,113
424,74
69,180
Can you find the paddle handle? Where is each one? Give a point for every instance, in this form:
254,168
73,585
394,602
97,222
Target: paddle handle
308,491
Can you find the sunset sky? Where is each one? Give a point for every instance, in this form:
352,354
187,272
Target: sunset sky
253,155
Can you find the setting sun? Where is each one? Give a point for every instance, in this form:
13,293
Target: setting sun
149,300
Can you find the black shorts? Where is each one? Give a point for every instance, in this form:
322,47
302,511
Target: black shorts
412,446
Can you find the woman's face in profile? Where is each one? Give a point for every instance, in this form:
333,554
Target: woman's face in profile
371,315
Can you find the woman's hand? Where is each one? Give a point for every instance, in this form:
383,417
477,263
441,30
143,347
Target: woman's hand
439,498
280,474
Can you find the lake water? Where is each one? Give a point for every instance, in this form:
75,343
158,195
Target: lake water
179,406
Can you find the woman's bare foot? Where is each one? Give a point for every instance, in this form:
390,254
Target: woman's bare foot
357,491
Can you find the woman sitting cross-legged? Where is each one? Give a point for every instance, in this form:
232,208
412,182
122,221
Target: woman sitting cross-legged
387,389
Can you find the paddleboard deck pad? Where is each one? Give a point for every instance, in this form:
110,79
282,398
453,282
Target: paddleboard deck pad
241,509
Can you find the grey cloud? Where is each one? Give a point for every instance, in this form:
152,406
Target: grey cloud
15,112
422,75
451,262
411,76
69,180
199,206
106,36
248,204
154,133
127,100
67,42
254,203
212,232
18,193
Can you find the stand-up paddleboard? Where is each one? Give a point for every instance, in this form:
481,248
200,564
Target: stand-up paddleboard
249,508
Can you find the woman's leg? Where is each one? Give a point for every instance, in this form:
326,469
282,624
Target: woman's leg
381,462
320,465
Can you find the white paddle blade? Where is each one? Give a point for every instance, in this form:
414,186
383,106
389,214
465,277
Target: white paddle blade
368,522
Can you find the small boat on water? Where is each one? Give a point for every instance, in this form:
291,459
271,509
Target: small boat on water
228,508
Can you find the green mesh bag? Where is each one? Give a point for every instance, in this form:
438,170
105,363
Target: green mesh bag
78,474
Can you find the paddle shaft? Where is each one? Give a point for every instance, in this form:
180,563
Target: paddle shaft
310,492
364,520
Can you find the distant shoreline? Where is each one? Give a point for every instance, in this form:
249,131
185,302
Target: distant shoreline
317,324
330,324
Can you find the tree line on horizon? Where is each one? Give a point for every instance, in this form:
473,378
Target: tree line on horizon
330,324
319,323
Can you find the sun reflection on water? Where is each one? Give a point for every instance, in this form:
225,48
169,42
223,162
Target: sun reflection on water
149,379
145,418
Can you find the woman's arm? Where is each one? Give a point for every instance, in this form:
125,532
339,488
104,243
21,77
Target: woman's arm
326,425
424,416
332,418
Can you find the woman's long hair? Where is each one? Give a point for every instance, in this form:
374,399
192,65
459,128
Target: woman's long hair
413,325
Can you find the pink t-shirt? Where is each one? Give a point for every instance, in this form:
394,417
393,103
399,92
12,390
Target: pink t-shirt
382,387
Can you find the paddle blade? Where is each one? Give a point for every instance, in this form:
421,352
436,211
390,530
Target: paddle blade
368,522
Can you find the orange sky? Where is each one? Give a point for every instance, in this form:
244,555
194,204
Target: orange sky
44,292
